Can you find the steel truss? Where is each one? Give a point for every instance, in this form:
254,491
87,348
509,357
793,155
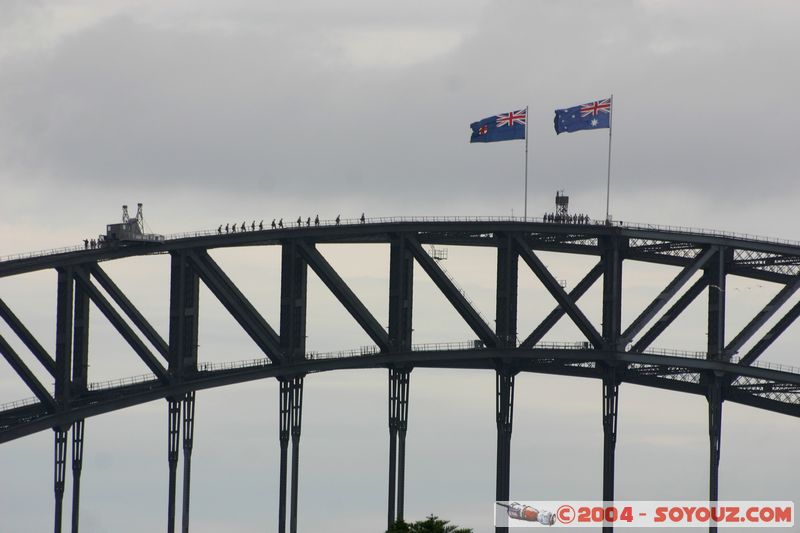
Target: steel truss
608,352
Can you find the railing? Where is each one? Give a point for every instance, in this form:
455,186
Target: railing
19,403
122,382
370,350
424,219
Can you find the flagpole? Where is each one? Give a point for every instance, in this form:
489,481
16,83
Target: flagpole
608,182
526,164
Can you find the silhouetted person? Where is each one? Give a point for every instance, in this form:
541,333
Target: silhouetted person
244,226
273,224
253,226
362,219
85,244
299,222
280,223
92,244
261,224
227,228
219,229
308,221
316,220
338,219
233,228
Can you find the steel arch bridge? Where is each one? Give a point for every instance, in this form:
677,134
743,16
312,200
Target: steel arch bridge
608,351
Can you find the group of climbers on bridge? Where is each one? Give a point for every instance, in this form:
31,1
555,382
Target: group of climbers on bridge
566,218
243,227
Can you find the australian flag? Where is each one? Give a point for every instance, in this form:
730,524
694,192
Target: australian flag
589,116
505,127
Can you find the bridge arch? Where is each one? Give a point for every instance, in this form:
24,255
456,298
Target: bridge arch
610,351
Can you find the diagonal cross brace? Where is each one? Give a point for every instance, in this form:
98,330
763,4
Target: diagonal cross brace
122,327
761,318
666,295
129,309
668,317
237,305
453,295
556,314
555,289
27,338
26,375
345,296
771,335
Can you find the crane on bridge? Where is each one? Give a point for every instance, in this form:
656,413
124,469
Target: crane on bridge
129,231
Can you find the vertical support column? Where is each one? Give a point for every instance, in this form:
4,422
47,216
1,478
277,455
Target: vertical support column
398,425
506,329
80,369
715,273
610,407
297,417
77,465
505,415
174,437
60,474
184,306
715,440
64,323
393,409
65,293
402,427
612,254
401,292
612,292
507,284
285,403
188,443
294,275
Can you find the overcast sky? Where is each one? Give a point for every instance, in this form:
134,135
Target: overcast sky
210,114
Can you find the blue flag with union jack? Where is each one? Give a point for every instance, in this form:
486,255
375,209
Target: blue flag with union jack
504,127
589,116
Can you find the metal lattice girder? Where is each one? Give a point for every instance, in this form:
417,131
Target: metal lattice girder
666,295
555,289
129,309
668,317
120,325
27,338
237,305
761,318
453,295
555,315
26,375
345,295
